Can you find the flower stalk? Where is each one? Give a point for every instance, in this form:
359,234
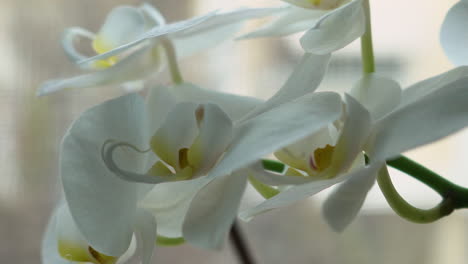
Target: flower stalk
240,245
171,56
448,190
406,210
367,50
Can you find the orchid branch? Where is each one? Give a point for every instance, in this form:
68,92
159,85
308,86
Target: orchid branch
448,190
406,210
240,245
367,50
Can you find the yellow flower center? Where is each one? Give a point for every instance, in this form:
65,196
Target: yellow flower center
100,46
315,2
322,158
185,166
74,252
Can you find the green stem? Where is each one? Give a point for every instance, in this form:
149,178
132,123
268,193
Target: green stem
367,50
406,210
171,55
446,189
273,165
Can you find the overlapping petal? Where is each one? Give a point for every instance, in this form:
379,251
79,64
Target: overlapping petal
290,20
215,30
305,79
377,94
215,133
336,29
277,128
131,68
169,203
145,228
68,38
330,25
344,203
178,131
235,106
89,184
213,210
49,249
122,25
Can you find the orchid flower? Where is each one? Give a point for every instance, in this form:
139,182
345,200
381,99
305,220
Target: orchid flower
64,244
188,130
329,24
453,35
130,44
379,120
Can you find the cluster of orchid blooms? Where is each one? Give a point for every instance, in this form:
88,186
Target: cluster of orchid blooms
173,166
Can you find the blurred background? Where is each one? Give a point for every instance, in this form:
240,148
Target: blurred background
407,49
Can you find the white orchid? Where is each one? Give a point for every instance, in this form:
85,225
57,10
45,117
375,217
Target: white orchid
384,124
130,44
453,35
191,129
329,24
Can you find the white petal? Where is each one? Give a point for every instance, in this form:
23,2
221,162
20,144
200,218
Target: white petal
133,67
378,94
311,4
215,133
428,86
154,33
305,79
95,195
49,250
235,106
145,228
153,13
213,211
159,102
214,31
430,118
335,30
453,34
67,232
169,202
289,196
343,204
178,131
353,136
123,24
68,38
278,128
290,20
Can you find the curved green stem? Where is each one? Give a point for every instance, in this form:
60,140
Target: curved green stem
406,210
367,50
446,189
176,76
